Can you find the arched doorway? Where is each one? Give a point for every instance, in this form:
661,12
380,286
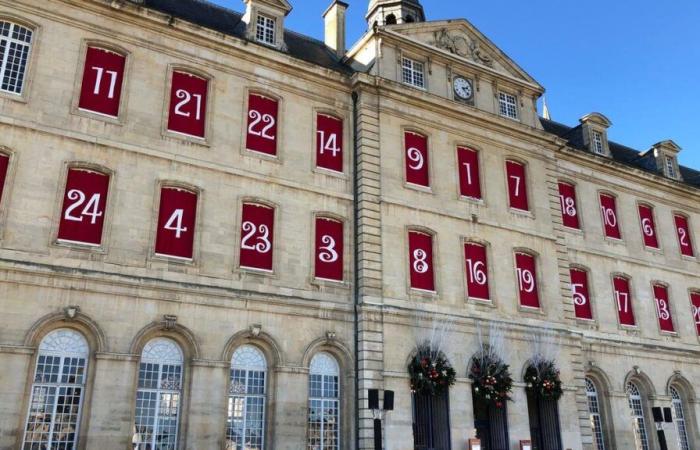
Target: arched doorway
543,389
491,387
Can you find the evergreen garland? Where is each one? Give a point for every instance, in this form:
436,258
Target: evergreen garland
491,381
543,380
430,374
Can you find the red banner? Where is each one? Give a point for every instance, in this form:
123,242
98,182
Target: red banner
608,210
262,124
329,143
569,209
257,228
527,280
646,217
623,298
475,256
416,156
420,246
517,186
663,308
176,222
103,76
188,104
84,205
329,249
469,173
685,240
581,295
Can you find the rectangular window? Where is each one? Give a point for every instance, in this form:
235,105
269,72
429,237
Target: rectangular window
598,147
608,211
685,240
646,217
15,43
569,210
188,104
257,228
469,174
581,295
262,124
329,143
103,75
329,249
265,30
508,105
176,223
477,271
84,204
663,308
420,246
417,164
413,72
695,309
526,271
670,167
623,298
4,165
517,186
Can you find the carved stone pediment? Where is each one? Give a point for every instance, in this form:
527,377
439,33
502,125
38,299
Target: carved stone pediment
461,45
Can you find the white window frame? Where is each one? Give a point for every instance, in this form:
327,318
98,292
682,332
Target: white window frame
252,363
670,166
266,29
72,351
325,366
594,414
639,425
160,352
413,72
19,80
598,144
679,419
508,106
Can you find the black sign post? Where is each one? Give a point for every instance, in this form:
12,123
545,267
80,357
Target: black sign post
373,404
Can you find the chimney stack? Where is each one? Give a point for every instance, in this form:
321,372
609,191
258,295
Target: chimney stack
334,19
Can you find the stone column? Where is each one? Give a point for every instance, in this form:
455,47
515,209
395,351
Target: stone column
622,418
111,406
290,409
518,419
206,419
14,367
461,413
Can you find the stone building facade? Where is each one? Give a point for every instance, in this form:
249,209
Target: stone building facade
216,233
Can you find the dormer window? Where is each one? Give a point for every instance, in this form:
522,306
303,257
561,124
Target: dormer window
598,146
265,30
508,105
413,72
670,167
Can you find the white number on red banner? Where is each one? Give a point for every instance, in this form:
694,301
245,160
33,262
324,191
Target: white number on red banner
646,217
416,155
469,175
580,293
567,200
623,299
262,124
257,227
663,308
526,271
517,186
695,309
84,204
176,222
477,270
329,143
684,239
103,76
608,210
420,247
188,104
329,249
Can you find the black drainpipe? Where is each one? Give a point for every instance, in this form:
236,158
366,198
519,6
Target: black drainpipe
356,264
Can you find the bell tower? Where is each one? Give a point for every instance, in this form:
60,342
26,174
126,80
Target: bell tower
391,12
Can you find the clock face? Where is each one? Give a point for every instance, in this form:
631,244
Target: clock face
463,88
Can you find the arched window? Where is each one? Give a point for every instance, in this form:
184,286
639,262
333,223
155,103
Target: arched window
15,44
638,421
57,391
390,19
324,403
246,399
679,418
594,413
158,396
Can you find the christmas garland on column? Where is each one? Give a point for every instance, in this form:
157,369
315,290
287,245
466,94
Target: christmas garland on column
543,380
430,372
491,381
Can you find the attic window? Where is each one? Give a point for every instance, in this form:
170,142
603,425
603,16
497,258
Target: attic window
670,167
265,30
598,143
508,105
413,72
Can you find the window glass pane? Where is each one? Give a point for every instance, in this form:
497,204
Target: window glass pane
246,404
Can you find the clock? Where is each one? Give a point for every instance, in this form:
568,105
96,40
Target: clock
463,88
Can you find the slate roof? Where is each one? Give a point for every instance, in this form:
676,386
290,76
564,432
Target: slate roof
229,22
620,153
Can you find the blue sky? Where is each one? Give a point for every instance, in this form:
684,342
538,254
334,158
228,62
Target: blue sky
637,62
